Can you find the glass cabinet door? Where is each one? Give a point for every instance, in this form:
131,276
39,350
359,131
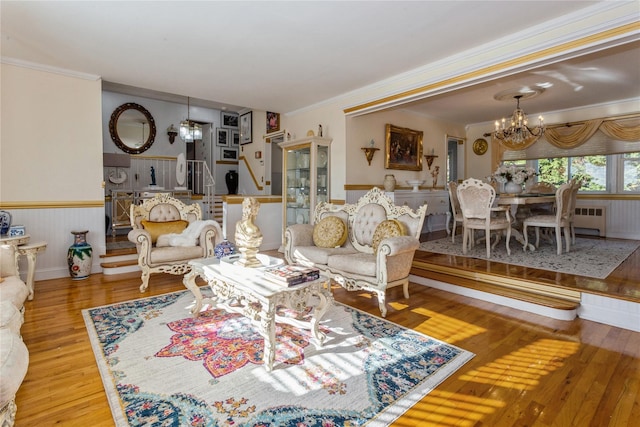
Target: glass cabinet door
322,174
298,183
306,178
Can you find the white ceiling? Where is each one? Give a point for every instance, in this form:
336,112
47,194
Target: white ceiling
284,56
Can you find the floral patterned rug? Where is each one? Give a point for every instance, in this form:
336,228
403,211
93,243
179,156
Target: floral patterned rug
595,258
161,366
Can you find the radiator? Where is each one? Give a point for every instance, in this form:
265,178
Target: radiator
591,217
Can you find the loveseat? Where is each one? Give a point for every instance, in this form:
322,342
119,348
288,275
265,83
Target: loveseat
168,234
14,356
364,246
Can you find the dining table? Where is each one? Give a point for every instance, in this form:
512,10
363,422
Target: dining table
522,199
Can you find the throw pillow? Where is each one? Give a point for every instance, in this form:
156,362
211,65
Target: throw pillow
387,228
330,232
156,229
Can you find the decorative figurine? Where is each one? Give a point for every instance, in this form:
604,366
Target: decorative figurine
153,176
248,235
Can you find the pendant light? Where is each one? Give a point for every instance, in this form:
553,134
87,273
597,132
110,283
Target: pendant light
190,131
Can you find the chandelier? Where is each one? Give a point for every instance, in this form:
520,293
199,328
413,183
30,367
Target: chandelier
190,131
518,131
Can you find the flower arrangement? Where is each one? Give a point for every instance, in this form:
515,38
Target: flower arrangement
517,174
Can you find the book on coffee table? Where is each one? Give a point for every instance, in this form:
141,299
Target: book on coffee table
290,275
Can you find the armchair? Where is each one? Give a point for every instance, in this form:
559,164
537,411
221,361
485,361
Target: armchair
376,241
160,216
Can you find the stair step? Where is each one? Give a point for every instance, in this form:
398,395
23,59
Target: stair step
542,296
117,264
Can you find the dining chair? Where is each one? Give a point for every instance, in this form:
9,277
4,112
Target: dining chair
456,215
575,187
560,220
476,205
544,208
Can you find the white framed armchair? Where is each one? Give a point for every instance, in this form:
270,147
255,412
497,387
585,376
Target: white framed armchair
163,216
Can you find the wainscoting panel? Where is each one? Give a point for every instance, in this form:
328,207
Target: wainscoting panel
54,226
623,221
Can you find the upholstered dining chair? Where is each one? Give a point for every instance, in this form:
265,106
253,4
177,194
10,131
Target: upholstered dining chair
575,187
560,221
545,208
456,215
476,205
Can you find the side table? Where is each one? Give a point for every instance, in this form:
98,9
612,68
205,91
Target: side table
30,250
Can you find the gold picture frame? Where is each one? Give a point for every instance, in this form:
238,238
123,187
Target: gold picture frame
403,148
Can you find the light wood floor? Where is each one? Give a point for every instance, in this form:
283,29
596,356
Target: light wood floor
528,370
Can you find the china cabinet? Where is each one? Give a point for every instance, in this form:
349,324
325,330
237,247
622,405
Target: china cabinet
306,181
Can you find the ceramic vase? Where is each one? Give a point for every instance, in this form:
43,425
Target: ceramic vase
79,256
512,188
231,179
5,222
224,248
389,183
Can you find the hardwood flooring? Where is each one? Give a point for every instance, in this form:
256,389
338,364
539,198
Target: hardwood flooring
528,370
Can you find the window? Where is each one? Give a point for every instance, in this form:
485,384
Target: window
631,172
598,172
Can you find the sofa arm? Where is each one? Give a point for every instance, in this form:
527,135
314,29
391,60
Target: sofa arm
296,235
142,239
394,259
399,245
210,237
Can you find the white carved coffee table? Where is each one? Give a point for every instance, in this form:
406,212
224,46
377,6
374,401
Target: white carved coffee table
245,291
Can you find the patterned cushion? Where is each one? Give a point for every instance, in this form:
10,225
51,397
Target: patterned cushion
156,229
387,228
330,232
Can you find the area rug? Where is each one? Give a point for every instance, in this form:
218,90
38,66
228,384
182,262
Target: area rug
162,366
595,258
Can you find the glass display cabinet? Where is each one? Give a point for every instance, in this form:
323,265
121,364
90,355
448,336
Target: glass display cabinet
306,178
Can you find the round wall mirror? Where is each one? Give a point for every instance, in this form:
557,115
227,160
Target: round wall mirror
132,128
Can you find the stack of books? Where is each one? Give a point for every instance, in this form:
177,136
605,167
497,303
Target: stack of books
290,275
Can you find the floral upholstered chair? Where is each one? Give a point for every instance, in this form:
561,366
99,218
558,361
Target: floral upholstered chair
168,234
560,221
456,214
476,204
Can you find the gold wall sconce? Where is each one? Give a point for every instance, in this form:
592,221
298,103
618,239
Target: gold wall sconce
429,158
369,152
172,132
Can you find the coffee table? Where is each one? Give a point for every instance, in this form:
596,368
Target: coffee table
245,291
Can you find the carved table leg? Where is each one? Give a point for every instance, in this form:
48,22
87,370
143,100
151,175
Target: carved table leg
325,299
268,326
30,251
189,281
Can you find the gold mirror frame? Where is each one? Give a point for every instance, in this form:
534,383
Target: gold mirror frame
124,123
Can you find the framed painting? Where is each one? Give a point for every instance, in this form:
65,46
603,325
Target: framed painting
228,154
273,122
229,120
403,148
222,137
235,138
245,128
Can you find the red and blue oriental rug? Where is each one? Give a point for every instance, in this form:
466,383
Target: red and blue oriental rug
162,367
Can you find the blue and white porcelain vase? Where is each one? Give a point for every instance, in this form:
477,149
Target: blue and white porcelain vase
5,222
79,256
224,248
